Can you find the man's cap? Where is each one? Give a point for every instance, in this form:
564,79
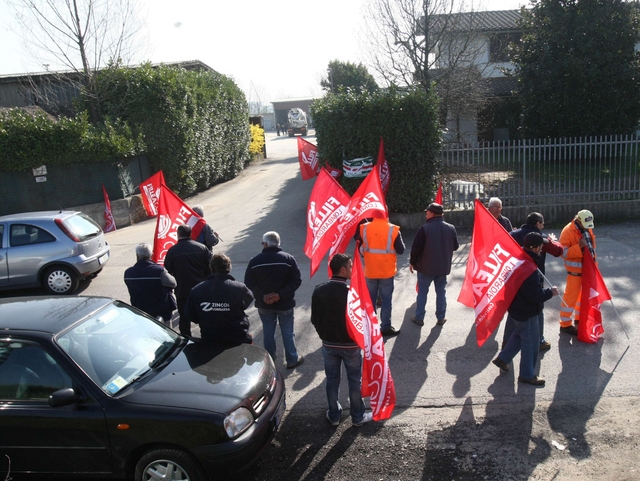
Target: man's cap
435,208
533,239
586,219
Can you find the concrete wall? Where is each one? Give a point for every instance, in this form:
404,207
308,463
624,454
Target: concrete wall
125,211
557,215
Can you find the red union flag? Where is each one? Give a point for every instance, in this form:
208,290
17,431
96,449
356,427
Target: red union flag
383,165
327,204
368,201
594,293
364,329
335,173
439,195
308,159
109,222
150,191
496,268
172,212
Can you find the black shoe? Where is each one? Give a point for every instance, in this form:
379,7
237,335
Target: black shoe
392,331
440,322
570,330
501,364
297,363
534,381
419,322
544,346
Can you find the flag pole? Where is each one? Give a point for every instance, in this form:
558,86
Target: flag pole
619,318
551,285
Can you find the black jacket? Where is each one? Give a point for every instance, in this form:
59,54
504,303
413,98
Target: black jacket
329,310
530,298
273,270
553,249
188,262
218,305
433,246
151,288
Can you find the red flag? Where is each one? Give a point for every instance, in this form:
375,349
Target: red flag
109,222
439,195
594,293
496,268
327,204
308,159
364,328
383,165
335,173
150,190
368,201
172,212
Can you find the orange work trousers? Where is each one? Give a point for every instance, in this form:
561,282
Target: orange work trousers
571,301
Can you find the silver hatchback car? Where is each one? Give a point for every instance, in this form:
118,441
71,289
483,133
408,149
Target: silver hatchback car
52,249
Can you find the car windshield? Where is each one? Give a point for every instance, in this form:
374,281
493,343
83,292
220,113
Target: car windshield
117,346
82,226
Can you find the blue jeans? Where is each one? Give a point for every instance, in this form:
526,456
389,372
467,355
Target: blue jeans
385,286
270,318
508,328
525,339
441,295
333,359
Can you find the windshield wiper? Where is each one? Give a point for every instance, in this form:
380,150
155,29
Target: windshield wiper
163,352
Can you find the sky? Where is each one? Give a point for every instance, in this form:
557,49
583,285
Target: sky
273,50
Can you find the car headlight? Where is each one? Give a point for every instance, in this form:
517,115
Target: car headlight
238,422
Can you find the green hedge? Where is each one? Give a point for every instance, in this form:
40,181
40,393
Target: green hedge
350,125
194,124
31,140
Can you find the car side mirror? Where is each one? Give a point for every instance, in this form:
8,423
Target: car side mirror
63,397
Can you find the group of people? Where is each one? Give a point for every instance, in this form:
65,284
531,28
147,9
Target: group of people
207,295
281,128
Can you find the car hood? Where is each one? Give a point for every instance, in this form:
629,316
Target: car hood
206,377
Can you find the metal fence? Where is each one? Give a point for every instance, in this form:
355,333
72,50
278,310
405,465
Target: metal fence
548,171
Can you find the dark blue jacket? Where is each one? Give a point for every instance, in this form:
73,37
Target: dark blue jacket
530,298
150,289
328,312
553,248
188,261
273,270
433,246
218,305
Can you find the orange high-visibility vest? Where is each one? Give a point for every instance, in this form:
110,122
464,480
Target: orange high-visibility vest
570,238
378,238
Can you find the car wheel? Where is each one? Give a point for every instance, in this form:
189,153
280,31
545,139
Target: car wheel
169,465
60,280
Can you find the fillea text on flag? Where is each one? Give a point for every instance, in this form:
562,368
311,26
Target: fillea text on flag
496,268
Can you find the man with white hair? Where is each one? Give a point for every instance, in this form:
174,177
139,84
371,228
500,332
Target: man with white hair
495,208
150,285
273,276
207,235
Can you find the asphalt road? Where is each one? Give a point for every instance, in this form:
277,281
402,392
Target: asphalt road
441,376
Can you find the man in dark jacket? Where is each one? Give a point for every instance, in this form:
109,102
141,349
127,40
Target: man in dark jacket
188,262
207,235
218,305
328,316
535,223
150,285
523,312
273,276
431,255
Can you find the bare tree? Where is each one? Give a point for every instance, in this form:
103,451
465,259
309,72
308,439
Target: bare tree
80,36
425,42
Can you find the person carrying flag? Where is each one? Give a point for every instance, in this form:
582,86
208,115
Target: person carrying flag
328,316
523,313
495,207
576,235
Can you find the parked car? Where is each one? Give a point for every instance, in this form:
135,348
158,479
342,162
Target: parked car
51,249
90,386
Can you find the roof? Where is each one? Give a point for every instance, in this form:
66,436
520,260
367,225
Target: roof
494,21
45,214
47,314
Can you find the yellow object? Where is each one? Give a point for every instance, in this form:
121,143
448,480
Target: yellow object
378,238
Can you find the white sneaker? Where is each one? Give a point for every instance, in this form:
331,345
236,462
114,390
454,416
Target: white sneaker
333,423
368,417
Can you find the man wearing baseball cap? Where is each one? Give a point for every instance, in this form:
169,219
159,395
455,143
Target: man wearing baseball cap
431,255
523,313
576,235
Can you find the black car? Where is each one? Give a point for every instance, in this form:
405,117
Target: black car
92,386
